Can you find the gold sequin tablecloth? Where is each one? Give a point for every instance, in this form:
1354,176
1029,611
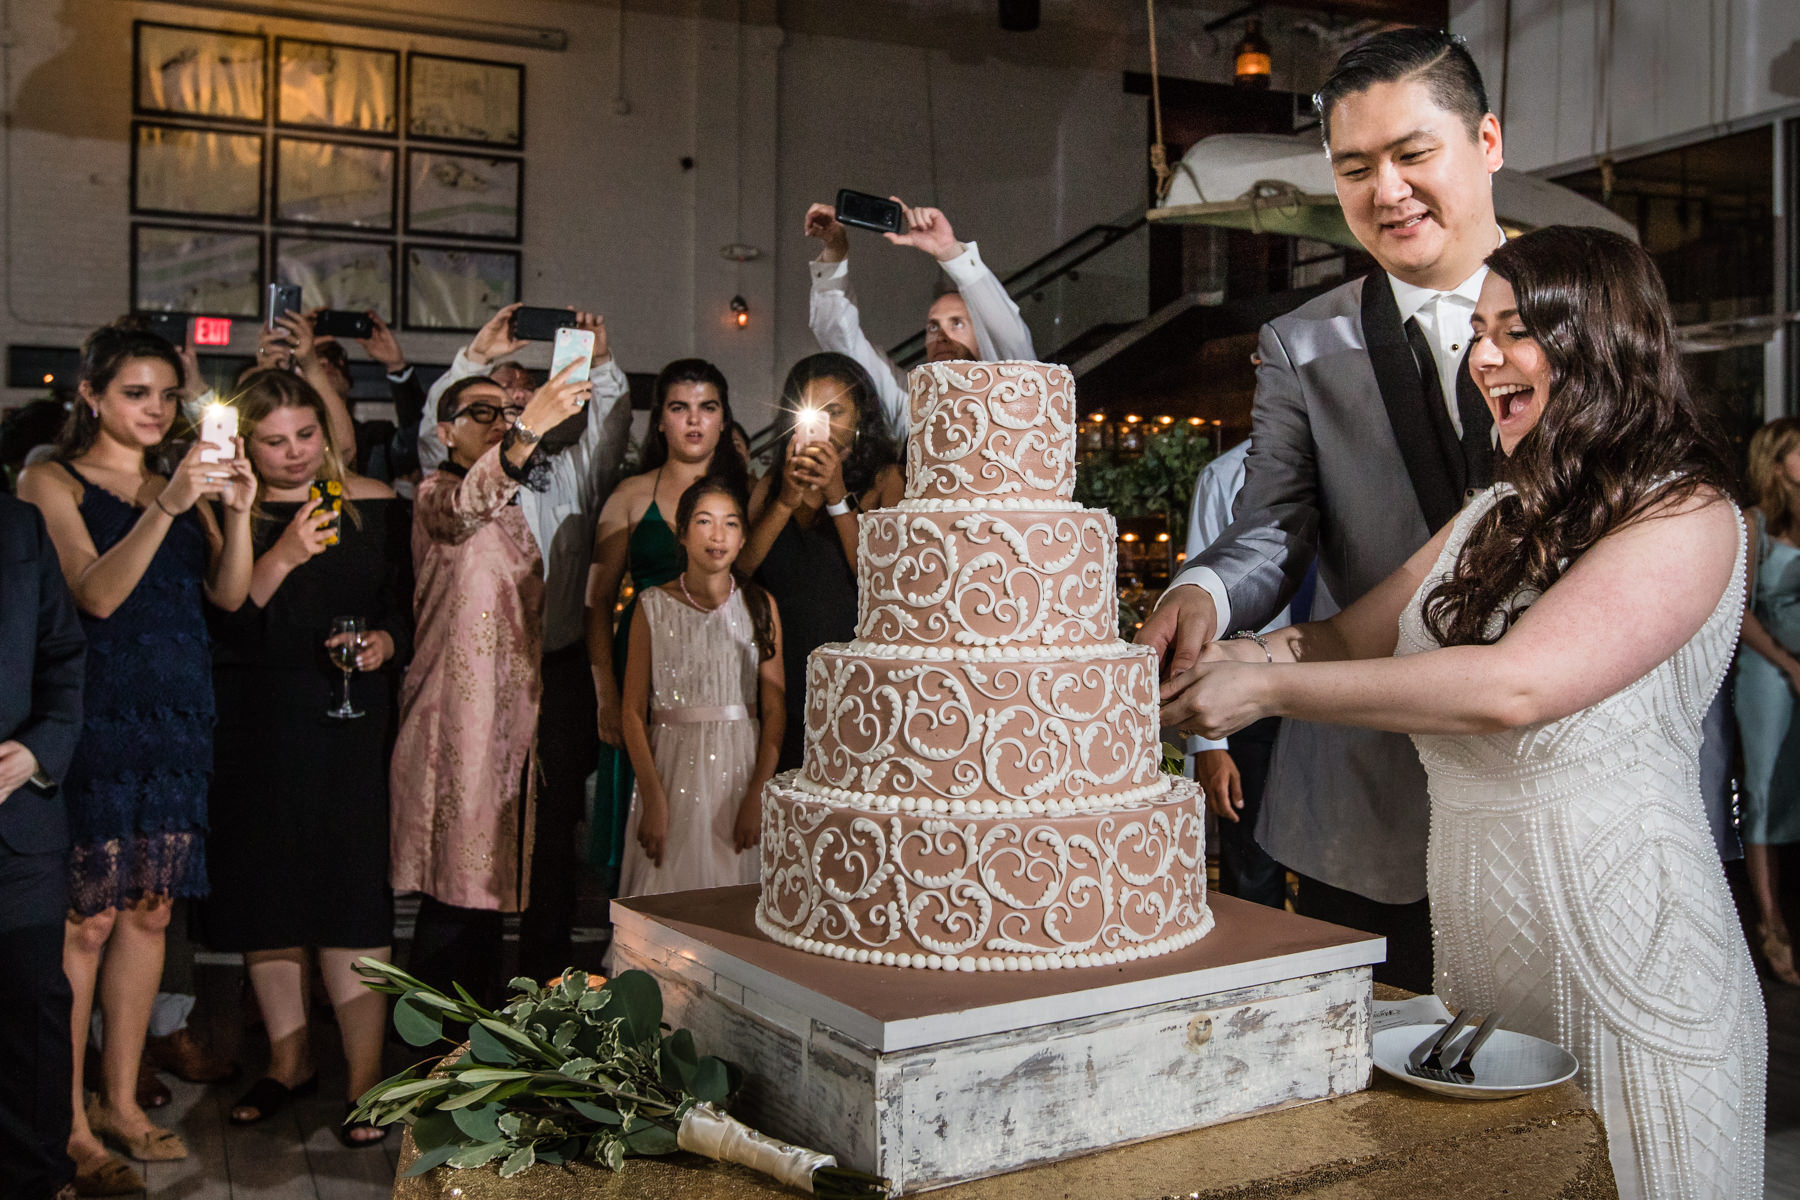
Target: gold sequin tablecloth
1387,1143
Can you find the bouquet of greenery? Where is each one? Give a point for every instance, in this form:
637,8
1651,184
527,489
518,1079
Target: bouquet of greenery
580,1068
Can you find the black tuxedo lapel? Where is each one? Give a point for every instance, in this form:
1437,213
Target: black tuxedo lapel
1427,440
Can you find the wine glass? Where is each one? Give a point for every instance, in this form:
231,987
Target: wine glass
343,656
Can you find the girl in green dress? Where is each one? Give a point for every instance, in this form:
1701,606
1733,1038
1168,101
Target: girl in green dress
688,420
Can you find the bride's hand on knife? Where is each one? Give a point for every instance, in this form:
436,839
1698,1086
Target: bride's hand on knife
1215,698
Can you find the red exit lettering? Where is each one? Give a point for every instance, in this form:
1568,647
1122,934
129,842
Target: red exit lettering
212,331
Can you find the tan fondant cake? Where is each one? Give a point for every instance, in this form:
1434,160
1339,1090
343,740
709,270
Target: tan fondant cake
981,788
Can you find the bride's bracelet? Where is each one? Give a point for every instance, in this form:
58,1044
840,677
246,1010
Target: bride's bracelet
1259,639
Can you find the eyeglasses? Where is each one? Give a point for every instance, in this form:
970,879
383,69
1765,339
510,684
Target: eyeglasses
484,414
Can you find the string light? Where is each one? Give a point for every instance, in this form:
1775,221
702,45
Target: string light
740,311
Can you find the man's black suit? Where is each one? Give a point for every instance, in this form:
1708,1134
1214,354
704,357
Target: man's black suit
42,659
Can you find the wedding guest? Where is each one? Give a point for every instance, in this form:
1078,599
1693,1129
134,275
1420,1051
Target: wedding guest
802,544
570,477
1553,652
297,852
703,708
1768,675
1367,438
633,536
464,762
976,320
42,653
141,553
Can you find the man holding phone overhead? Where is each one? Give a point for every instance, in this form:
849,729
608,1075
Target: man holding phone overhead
976,321
568,479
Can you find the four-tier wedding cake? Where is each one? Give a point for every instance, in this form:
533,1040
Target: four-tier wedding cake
981,788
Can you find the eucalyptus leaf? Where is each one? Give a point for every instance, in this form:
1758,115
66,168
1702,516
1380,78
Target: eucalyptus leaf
650,1139
709,1081
595,1112
507,1033
637,1002
679,1060
435,1157
468,1098
475,1156
418,1024
479,1121
492,1074
485,1047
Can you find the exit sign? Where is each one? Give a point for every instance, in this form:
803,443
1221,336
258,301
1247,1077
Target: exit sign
212,331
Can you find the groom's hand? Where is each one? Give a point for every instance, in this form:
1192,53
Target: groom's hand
1179,628
1218,777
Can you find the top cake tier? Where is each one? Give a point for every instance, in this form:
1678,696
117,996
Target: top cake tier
987,432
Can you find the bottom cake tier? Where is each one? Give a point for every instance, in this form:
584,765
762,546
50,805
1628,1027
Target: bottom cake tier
983,893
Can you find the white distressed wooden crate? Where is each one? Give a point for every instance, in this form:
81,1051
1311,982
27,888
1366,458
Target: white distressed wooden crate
933,1078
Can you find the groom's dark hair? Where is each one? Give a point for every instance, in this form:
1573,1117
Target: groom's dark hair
1437,59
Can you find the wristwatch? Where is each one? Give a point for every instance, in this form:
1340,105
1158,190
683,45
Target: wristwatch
847,505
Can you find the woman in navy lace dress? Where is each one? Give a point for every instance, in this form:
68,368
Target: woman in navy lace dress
141,553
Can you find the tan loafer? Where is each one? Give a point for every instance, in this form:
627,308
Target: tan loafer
154,1145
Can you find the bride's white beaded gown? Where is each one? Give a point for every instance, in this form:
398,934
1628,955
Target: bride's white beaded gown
1575,888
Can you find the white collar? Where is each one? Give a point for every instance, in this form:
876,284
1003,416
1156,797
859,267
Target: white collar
1410,298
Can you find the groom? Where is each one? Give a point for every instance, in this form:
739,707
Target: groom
1368,436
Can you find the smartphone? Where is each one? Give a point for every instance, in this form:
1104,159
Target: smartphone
572,346
283,298
810,425
170,327
217,429
540,324
332,493
869,212
343,323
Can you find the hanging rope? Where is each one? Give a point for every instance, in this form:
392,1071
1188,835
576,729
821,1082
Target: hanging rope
1159,156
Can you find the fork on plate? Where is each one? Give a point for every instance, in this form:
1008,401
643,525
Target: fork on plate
1434,1059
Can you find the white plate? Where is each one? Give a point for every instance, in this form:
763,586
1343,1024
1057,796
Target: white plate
1509,1064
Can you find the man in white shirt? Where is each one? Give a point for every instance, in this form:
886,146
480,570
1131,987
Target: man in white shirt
580,464
978,320
1368,436
1234,771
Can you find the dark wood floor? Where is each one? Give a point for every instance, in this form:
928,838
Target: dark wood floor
296,1156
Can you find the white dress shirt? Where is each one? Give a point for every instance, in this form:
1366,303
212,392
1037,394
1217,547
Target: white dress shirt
1000,332
561,517
1447,319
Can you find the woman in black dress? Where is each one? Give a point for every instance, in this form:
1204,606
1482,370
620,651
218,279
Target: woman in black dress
802,544
298,848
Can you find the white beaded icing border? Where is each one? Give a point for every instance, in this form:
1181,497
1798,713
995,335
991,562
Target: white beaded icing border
1091,651
998,962
1068,806
986,504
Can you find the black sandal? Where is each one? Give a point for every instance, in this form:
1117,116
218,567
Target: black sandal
268,1097
349,1127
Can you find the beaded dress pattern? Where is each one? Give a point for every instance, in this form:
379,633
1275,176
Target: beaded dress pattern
1575,889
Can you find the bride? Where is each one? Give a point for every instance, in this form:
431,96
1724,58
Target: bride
1552,651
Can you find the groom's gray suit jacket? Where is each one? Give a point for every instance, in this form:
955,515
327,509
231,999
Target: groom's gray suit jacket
1350,464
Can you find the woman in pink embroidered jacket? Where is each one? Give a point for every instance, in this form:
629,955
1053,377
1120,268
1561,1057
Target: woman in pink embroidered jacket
461,775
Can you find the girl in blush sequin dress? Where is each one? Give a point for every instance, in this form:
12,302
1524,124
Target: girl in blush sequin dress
704,663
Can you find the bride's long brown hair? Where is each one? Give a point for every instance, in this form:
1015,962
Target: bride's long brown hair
1620,433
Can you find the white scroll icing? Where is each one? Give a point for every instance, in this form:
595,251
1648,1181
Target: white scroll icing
1079,890
935,732
981,788
987,579
995,431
